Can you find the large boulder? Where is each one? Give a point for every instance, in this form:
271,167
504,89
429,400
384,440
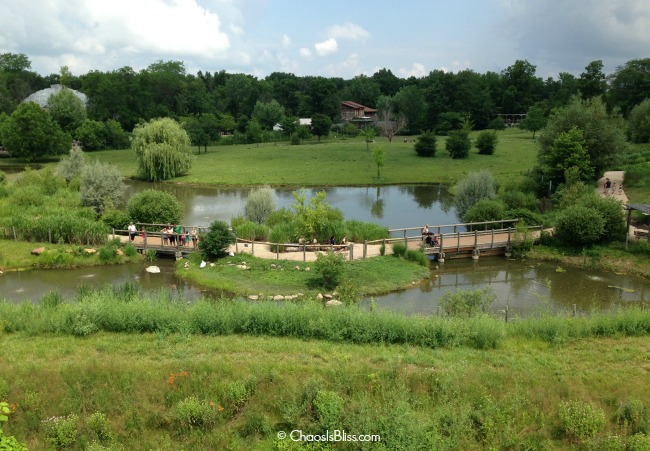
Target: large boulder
38,250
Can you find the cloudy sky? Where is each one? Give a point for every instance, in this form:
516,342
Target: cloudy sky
329,38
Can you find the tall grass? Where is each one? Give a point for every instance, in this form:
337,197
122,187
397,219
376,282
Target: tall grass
126,310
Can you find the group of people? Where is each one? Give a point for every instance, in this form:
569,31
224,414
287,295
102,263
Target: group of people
170,235
429,237
609,187
343,241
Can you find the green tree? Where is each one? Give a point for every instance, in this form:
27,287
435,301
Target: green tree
101,186
331,268
92,135
289,125
486,142
410,103
260,203
268,113
214,244
154,207
30,133
254,132
368,134
474,187
535,119
485,210
321,125
592,81
14,62
162,149
66,109
391,123
604,133
639,122
568,151
426,144
579,226
458,143
629,85
71,165
379,157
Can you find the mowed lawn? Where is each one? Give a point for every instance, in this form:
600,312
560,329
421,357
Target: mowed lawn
343,162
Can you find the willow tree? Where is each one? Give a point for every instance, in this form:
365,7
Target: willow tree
162,148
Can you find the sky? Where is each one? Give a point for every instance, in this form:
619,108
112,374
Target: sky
332,38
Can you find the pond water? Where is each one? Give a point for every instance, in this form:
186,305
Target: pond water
524,287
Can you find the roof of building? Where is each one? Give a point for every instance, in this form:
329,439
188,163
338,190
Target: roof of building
358,106
41,97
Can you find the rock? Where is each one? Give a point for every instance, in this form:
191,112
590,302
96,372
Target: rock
119,252
319,297
211,265
328,296
203,264
38,250
186,265
242,267
307,268
253,297
232,254
278,297
297,267
90,251
273,265
333,303
153,269
291,297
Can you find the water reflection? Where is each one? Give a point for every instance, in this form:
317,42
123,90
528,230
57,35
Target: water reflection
523,287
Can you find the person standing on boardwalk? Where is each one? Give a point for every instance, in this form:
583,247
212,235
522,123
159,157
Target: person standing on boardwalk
132,232
607,185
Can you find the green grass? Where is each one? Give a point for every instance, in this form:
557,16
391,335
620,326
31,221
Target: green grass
342,162
373,276
254,387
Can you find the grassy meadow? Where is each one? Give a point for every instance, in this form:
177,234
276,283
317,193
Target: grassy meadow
342,162
236,375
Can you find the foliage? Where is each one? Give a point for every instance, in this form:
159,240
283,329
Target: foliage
162,149
399,249
417,256
62,432
268,113
612,213
458,143
191,413
368,133
71,165
329,409
331,268
568,151
486,142
629,84
92,135
320,125
260,203
485,210
249,230
358,231
379,157
9,443
426,144
467,303
536,118
154,207
634,415
474,187
579,420
497,124
214,244
310,217
603,133
66,109
100,426
639,122
578,225
115,219
101,186
31,133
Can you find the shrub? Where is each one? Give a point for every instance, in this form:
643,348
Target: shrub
72,165
474,187
426,144
497,124
611,211
61,432
639,122
579,420
458,144
486,210
295,139
331,268
280,216
486,142
579,226
99,425
116,219
467,303
399,249
518,199
635,416
190,413
250,230
256,423
101,185
260,203
417,256
8,442
329,409
214,244
154,207
359,231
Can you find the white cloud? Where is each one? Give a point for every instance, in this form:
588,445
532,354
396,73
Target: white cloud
286,41
417,70
349,66
348,31
326,47
305,52
236,29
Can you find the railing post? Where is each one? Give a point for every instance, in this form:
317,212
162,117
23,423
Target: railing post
304,252
365,248
406,243
492,242
277,251
458,243
253,248
14,228
145,242
49,235
351,247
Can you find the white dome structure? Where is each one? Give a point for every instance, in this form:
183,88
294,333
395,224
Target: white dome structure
41,97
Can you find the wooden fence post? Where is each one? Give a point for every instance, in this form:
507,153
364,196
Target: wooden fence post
365,248
304,252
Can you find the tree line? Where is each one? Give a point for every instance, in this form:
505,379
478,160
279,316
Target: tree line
438,101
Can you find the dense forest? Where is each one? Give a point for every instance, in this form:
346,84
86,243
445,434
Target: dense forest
439,101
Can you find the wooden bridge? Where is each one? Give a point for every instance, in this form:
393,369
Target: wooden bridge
454,241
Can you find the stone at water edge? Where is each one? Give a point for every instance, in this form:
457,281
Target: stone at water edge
319,297
38,250
203,264
333,303
153,269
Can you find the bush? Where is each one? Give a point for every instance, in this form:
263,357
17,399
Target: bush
329,409
331,268
359,231
154,207
579,420
72,165
486,142
250,230
417,256
497,124
295,139
579,226
474,187
399,249
486,210
639,122
611,210
61,432
101,185
280,216
116,219
99,425
518,199
467,303
458,144
426,144
190,413
215,243
260,203
635,416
